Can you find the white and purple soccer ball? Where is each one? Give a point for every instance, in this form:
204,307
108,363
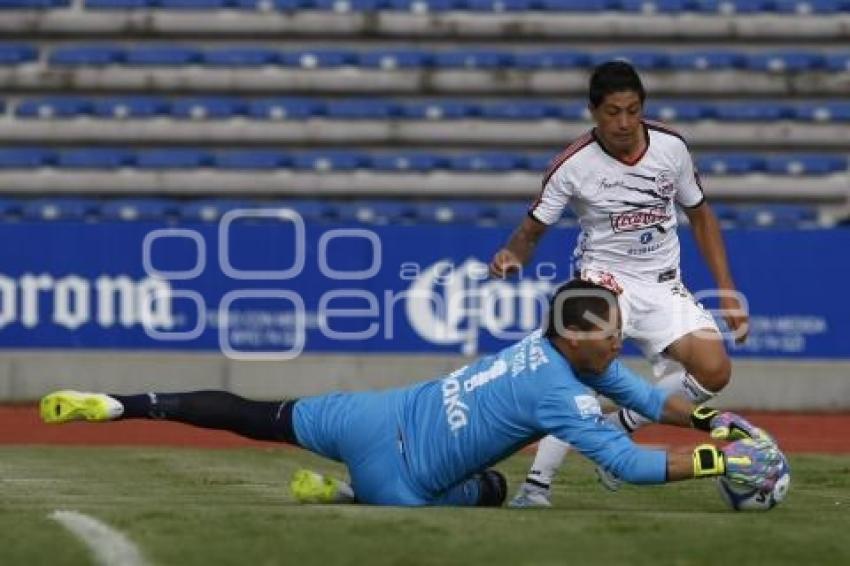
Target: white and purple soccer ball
742,497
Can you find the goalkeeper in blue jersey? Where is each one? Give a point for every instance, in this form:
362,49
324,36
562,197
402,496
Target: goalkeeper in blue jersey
432,443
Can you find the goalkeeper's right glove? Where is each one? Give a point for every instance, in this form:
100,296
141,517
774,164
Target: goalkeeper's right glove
753,462
725,425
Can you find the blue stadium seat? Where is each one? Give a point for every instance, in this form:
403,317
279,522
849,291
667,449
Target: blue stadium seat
60,209
193,4
777,216
730,164
345,6
423,6
132,209
318,58
729,6
810,6
289,5
642,59
552,59
216,108
782,61
378,212
499,5
675,110
86,55
17,53
758,111
118,4
10,208
54,107
445,212
573,111
94,158
538,162
162,55
173,158
472,59
487,161
130,107
33,4
252,159
439,110
407,161
576,5
707,59
655,6
311,210
803,164
823,111
839,62
241,57
373,109
520,110
285,108
328,160
26,157
210,210
395,59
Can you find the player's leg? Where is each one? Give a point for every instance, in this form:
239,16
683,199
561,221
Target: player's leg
536,491
487,489
259,420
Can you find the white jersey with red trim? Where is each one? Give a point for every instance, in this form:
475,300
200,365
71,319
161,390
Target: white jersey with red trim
626,211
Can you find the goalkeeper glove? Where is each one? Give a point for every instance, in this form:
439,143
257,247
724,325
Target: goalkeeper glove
756,463
725,426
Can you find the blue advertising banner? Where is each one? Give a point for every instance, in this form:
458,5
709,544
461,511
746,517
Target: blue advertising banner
267,285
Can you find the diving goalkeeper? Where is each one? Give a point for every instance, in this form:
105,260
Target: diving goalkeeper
432,443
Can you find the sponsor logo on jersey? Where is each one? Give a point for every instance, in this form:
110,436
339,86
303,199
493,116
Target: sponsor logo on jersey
664,183
587,406
639,219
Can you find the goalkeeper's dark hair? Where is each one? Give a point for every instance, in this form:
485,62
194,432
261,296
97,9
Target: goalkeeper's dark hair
611,77
571,304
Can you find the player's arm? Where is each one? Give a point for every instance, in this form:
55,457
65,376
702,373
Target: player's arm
519,248
709,240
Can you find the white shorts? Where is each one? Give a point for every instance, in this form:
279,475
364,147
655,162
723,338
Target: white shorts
657,313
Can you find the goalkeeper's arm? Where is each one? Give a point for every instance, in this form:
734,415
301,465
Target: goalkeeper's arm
722,425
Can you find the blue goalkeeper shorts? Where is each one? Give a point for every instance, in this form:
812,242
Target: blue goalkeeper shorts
363,430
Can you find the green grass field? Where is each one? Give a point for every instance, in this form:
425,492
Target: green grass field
204,507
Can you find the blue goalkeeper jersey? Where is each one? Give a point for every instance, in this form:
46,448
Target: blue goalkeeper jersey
478,415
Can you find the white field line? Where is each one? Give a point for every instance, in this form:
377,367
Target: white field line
109,547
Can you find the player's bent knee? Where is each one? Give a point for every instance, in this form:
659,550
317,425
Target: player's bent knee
493,489
716,374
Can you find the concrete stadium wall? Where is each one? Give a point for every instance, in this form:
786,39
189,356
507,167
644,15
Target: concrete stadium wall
24,376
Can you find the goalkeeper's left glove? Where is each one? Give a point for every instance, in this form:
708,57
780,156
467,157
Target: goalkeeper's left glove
726,426
756,463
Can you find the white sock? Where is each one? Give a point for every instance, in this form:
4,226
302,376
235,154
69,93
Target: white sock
549,457
681,382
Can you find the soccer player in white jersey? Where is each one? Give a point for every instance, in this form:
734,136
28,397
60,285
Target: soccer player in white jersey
624,179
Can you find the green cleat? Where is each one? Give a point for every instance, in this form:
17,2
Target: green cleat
311,487
64,406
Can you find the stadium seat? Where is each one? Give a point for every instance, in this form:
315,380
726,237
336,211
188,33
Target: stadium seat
730,164
681,111
439,110
777,216
539,162
162,55
130,107
752,112
26,157
132,209
472,59
240,57
33,4
446,212
706,59
805,164
193,4
285,108
118,4
60,209
210,210
572,111
362,109
499,5
575,5
520,110
729,7
345,6
10,208
94,158
641,59
251,159
552,59
329,160
208,108
803,7
486,161
86,55
172,158
407,161
54,107
389,59
782,61
311,210
17,53
839,62
378,212
318,58
424,6
823,111
654,6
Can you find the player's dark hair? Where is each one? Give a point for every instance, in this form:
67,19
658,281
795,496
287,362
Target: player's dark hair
611,77
573,301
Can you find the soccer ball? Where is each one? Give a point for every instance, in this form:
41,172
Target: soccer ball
742,497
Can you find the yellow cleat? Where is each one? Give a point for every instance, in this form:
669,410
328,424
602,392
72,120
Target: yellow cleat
311,487
64,406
